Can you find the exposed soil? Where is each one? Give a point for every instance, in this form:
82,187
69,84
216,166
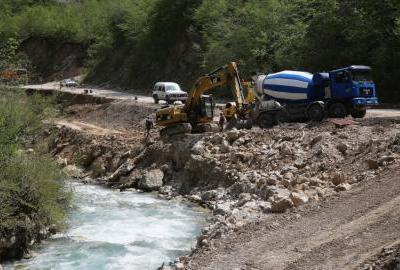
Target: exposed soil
338,233
339,186
52,59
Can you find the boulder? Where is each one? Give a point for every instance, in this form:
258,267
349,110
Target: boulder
123,170
243,199
195,198
298,198
316,139
152,180
343,187
342,148
272,191
280,205
222,209
338,178
198,148
386,159
179,266
209,195
372,164
225,147
233,135
216,139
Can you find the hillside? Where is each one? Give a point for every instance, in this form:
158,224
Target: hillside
134,43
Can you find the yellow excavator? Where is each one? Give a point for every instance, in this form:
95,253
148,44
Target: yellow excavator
198,112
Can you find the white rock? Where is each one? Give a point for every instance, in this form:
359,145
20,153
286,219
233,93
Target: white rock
152,180
298,198
180,266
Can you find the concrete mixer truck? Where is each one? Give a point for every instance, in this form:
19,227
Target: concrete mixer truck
307,96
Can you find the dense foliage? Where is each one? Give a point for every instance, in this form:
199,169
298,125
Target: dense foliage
31,191
136,42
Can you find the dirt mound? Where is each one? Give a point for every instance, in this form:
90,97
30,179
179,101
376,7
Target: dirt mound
124,115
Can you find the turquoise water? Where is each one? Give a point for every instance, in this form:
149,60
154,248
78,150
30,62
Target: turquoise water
109,229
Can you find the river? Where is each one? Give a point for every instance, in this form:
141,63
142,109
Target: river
108,229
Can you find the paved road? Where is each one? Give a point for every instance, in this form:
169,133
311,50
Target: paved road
374,113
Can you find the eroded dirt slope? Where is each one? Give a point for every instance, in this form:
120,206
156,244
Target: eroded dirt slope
337,233
246,177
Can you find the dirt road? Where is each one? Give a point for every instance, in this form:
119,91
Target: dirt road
117,95
339,233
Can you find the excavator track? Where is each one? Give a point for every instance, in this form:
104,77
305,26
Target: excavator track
176,129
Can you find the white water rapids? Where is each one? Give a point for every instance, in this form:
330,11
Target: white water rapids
109,229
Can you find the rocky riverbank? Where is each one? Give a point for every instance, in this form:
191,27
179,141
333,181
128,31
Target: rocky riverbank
241,175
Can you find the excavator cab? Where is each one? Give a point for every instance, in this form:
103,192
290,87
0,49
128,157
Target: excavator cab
207,107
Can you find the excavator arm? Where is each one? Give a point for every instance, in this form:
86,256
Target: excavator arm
199,108
227,75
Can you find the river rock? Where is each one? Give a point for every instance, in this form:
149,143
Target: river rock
209,195
152,180
222,209
179,266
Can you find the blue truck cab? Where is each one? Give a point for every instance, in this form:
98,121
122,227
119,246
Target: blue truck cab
351,90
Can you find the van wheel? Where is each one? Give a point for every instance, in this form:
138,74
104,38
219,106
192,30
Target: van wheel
315,113
156,100
358,114
338,110
266,120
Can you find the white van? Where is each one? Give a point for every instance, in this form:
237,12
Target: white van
168,91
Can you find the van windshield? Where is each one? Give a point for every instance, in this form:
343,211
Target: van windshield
361,75
173,88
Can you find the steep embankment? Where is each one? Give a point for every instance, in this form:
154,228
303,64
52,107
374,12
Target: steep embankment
243,176
53,59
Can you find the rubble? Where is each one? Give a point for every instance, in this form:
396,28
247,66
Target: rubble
239,174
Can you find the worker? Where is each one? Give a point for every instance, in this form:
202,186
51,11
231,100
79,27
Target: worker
149,125
221,121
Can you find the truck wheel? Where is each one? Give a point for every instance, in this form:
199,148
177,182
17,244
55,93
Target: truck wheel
358,114
315,113
266,120
156,100
282,116
168,100
338,110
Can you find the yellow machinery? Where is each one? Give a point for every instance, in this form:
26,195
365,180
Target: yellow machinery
198,112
